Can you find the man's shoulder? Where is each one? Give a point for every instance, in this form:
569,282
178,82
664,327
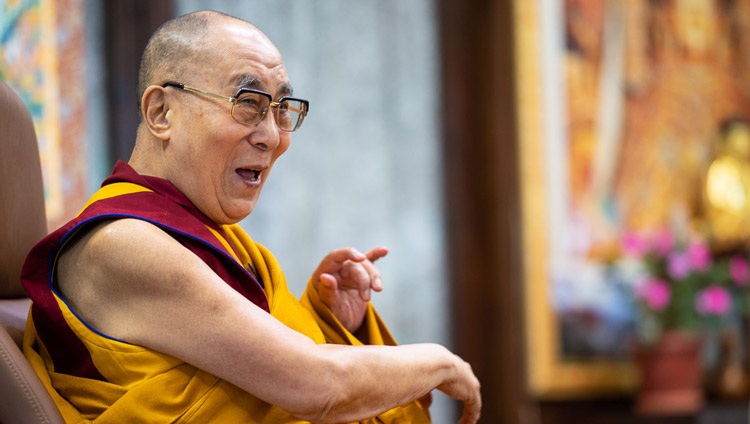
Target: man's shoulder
113,239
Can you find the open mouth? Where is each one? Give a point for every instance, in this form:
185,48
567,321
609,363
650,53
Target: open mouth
250,175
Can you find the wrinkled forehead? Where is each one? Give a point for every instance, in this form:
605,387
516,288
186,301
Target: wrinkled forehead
240,55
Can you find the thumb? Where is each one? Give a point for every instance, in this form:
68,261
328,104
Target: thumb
328,281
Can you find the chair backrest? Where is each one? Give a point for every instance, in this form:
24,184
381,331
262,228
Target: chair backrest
22,216
22,223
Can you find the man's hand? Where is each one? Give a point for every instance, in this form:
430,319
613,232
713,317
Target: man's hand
465,387
344,279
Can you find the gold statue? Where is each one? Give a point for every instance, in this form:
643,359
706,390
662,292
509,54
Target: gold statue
727,188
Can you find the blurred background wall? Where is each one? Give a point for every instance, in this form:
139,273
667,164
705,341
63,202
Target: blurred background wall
365,169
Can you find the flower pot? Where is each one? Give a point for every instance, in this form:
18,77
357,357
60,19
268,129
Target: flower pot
671,376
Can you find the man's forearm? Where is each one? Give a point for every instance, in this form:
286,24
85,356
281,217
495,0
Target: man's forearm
368,380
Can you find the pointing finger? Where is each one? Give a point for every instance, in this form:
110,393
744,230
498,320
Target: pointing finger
376,253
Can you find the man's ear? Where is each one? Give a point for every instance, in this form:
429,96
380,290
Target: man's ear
154,109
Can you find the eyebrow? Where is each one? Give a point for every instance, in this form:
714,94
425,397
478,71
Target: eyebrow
254,82
248,81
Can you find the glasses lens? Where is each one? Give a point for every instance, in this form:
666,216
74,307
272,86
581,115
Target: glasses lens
290,113
250,107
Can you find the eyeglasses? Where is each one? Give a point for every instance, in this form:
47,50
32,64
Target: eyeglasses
250,106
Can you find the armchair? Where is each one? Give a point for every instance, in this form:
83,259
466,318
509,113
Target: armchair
22,223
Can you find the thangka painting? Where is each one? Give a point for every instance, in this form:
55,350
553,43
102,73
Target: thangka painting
29,64
623,107
33,37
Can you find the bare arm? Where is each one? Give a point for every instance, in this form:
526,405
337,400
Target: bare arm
132,281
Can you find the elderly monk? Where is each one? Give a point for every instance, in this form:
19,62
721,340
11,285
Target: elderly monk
154,306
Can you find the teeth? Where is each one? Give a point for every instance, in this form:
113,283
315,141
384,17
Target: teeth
249,174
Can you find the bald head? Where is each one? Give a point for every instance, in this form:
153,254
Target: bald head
188,134
179,43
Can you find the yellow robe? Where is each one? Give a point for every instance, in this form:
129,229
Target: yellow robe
140,385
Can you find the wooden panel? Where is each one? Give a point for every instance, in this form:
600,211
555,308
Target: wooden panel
128,26
481,176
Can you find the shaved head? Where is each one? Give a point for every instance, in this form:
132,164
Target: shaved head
189,137
177,45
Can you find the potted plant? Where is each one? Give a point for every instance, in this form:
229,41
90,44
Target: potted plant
681,290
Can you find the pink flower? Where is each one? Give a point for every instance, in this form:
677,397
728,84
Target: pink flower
714,300
739,270
663,242
634,245
655,293
699,256
678,265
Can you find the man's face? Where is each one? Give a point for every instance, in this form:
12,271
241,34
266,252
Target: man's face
220,164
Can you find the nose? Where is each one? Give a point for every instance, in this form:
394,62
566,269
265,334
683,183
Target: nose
266,134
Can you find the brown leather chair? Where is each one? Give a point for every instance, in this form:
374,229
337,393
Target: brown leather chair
23,398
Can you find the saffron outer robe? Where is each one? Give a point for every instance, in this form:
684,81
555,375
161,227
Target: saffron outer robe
93,377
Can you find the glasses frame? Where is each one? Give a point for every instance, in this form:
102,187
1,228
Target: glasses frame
274,106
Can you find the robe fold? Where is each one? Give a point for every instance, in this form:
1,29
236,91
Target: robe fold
93,377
